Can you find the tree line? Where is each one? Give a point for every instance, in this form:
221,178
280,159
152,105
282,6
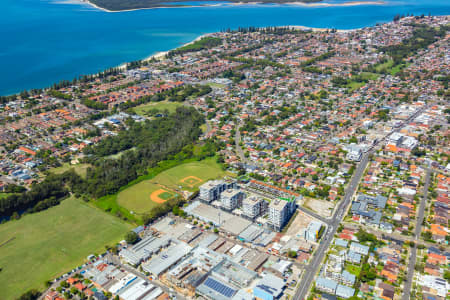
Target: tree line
177,94
152,142
201,44
41,195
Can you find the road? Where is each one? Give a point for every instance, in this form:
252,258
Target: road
115,260
313,267
239,151
412,257
394,235
208,128
315,263
237,140
315,215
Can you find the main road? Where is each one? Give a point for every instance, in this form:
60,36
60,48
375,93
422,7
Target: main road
315,263
412,257
312,268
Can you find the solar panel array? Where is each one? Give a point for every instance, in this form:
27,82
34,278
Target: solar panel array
219,287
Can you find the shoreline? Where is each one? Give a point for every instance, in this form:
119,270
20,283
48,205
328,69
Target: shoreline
161,54
303,4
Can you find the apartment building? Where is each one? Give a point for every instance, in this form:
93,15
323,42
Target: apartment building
253,207
231,199
280,211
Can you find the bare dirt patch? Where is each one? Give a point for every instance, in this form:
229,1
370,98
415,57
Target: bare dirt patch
160,196
322,207
191,181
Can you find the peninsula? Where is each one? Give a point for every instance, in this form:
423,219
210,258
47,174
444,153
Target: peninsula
121,5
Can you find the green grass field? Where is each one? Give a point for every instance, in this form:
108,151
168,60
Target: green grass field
390,68
217,85
80,169
205,170
353,269
46,244
136,198
161,106
203,127
4,195
353,85
167,195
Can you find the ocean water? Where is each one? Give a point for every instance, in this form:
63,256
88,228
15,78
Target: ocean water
45,41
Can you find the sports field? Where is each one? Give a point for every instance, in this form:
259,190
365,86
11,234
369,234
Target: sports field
161,106
144,196
40,246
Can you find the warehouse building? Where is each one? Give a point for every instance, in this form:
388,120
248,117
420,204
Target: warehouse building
166,259
144,249
215,289
269,287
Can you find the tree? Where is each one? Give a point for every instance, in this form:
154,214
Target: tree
176,210
48,283
131,237
30,295
427,235
447,276
367,273
292,254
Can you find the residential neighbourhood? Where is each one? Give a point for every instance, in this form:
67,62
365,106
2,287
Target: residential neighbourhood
335,151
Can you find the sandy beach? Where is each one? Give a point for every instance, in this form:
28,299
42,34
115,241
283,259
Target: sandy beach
315,4
160,55
324,4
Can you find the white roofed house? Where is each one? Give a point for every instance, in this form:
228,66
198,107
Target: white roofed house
354,152
360,249
326,285
344,291
312,231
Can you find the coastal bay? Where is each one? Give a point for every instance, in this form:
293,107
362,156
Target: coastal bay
48,41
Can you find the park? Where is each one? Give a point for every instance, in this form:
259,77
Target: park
175,182
42,246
